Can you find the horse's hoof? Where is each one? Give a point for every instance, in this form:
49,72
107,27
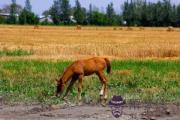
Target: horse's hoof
80,103
104,104
101,97
100,100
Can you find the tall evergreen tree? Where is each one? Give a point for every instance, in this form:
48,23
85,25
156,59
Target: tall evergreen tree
143,19
60,11
138,12
110,13
127,12
65,11
79,13
27,16
178,16
90,14
55,12
28,6
13,1
13,13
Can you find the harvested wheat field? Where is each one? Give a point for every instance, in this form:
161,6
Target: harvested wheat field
50,42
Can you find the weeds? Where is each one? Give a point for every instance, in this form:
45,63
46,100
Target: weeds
34,81
15,52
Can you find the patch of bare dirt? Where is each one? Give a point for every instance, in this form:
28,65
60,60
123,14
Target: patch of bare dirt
88,112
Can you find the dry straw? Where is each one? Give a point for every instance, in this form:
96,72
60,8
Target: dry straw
65,42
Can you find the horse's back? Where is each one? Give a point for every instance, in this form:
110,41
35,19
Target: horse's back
93,65
89,66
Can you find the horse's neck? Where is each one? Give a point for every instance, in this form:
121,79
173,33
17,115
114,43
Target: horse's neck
67,75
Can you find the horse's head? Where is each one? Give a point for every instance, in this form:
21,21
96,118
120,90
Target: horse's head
60,87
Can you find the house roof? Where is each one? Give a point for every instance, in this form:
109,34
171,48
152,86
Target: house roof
7,14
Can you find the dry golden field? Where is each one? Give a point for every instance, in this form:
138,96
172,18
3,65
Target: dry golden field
50,42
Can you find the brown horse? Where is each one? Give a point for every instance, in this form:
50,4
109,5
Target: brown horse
80,68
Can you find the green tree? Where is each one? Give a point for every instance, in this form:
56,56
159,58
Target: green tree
28,17
98,18
65,11
2,20
143,11
110,14
128,12
28,6
119,20
79,13
178,16
7,9
13,13
138,12
55,12
89,15
173,16
60,12
167,11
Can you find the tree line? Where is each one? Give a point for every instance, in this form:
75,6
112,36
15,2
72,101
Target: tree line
133,13
142,13
19,15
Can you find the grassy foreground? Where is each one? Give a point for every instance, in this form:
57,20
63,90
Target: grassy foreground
34,81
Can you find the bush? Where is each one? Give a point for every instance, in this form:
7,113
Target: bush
16,52
2,20
27,17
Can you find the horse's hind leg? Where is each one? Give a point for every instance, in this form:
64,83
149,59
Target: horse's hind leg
103,92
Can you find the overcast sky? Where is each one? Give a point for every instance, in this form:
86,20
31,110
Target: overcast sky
38,6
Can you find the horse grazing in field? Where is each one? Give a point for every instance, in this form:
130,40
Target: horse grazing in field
80,68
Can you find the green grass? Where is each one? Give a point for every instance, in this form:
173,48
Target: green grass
34,81
15,52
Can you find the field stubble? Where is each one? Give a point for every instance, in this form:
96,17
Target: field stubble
48,42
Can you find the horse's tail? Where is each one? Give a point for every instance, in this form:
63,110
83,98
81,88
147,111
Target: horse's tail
108,63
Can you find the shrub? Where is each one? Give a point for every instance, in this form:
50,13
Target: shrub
15,52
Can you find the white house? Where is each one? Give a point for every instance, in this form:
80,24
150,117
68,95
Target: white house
49,19
44,18
6,15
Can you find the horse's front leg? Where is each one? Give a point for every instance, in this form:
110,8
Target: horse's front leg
69,88
80,89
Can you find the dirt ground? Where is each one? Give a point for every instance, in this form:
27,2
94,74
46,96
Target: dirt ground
88,112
